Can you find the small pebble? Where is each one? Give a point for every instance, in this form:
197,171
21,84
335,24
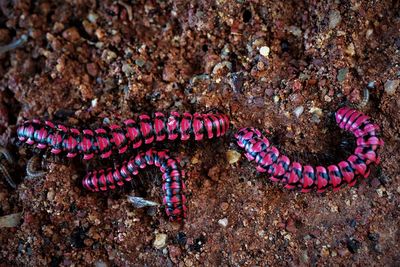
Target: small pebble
224,206
89,27
223,222
324,252
371,85
92,69
316,111
291,226
100,34
140,62
127,69
11,220
369,33
50,195
88,242
71,34
391,86
92,17
232,156
298,111
342,74
169,73
327,98
334,19
343,252
264,51
188,262
181,238
304,256
100,264
195,159
108,56
94,103
160,241
353,245
296,31
350,49
334,208
380,191
214,173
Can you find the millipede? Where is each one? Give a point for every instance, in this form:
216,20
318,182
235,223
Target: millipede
295,175
115,138
173,186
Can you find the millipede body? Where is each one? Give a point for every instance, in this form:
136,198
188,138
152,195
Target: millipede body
116,138
173,185
295,175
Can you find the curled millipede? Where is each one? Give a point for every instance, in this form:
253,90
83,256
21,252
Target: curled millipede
295,175
117,138
7,176
5,155
30,169
173,186
364,100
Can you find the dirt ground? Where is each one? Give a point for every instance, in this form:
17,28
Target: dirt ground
282,66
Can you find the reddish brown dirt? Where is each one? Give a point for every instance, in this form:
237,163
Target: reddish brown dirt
85,61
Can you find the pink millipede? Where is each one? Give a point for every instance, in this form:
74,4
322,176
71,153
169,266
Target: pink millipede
295,175
118,138
114,138
173,185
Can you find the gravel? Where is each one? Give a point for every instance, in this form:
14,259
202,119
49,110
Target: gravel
391,86
84,64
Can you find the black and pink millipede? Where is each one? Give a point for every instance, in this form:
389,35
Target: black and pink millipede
295,175
118,138
173,185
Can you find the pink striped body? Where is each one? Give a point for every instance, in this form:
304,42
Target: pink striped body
294,175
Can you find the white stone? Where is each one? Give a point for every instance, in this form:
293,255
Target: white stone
334,19
298,111
264,51
223,222
160,241
391,86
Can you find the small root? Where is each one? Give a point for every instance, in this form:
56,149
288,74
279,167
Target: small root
5,160
139,202
128,9
17,43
